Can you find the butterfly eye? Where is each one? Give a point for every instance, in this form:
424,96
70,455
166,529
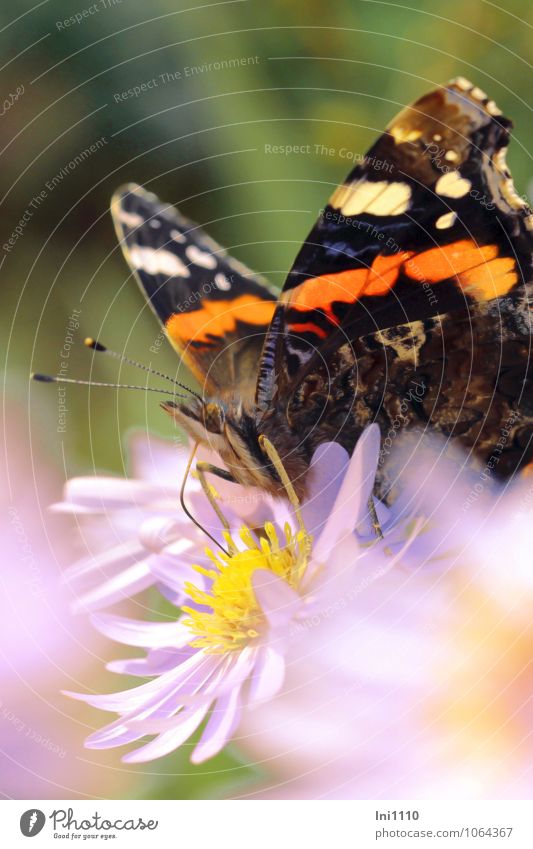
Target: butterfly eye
213,417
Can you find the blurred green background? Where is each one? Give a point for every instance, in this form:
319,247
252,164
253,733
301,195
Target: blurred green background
293,73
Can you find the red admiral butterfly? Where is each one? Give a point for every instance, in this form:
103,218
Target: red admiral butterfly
408,302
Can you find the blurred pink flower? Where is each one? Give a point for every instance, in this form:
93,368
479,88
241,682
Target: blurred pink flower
40,644
415,681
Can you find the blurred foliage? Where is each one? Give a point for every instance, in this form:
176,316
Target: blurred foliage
318,74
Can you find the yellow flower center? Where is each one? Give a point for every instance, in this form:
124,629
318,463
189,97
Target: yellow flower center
234,617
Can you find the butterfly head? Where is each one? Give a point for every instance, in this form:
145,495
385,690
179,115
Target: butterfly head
234,434
203,420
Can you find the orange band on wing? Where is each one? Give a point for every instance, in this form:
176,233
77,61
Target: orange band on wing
218,318
319,293
309,327
449,261
478,270
384,272
490,280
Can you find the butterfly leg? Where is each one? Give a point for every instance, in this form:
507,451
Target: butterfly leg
374,518
201,466
210,492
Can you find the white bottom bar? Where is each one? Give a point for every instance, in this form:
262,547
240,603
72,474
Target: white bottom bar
229,824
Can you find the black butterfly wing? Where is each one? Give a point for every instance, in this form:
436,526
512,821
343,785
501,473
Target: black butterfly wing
214,310
427,224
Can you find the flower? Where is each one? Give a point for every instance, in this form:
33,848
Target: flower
349,667
40,643
225,652
415,682
135,532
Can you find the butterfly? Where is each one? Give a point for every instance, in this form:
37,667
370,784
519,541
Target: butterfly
407,305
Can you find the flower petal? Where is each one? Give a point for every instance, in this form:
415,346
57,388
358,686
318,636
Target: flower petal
172,568
324,479
136,666
268,675
114,734
158,531
220,728
132,632
156,662
186,677
127,583
102,494
350,506
185,725
117,557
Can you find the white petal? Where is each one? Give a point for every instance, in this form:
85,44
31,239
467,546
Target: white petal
127,583
156,662
158,531
137,666
175,572
116,557
324,479
351,503
146,697
222,723
101,494
185,725
268,675
131,632
72,509
114,734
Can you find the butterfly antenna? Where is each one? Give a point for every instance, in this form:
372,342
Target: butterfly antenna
95,345
47,378
186,509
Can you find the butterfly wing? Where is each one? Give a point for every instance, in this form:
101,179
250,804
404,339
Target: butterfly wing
427,224
213,309
409,303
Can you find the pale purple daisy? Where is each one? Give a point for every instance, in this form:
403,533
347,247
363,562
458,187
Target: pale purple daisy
225,652
134,531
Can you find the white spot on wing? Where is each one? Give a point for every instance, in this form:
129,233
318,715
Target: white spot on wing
155,223
222,282
452,185
402,134
376,198
394,200
462,83
493,109
158,262
506,183
202,258
177,236
130,219
478,93
445,221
